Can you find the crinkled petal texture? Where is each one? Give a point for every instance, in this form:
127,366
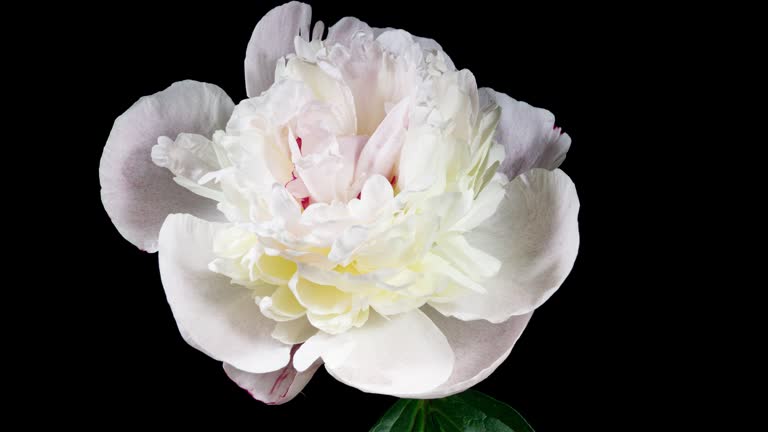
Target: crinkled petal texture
136,193
383,216
534,233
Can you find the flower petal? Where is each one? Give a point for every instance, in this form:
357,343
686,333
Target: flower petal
273,388
382,150
281,305
333,94
345,29
136,193
528,134
320,299
294,332
535,235
403,355
479,346
271,39
426,44
221,319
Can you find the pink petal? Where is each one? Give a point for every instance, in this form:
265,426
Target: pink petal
528,134
273,388
271,39
382,150
136,193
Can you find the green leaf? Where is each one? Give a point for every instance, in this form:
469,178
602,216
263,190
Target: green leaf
470,411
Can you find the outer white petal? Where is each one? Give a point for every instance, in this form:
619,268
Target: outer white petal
528,134
479,347
219,318
136,193
271,39
273,388
535,235
403,355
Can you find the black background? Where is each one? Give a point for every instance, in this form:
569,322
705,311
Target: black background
581,360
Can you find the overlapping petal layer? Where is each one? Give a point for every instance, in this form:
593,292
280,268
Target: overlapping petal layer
374,211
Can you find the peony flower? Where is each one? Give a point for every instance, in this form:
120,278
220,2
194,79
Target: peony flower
367,208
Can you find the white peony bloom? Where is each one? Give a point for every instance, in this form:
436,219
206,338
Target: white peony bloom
367,208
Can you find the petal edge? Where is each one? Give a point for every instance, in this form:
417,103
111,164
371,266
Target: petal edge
137,194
